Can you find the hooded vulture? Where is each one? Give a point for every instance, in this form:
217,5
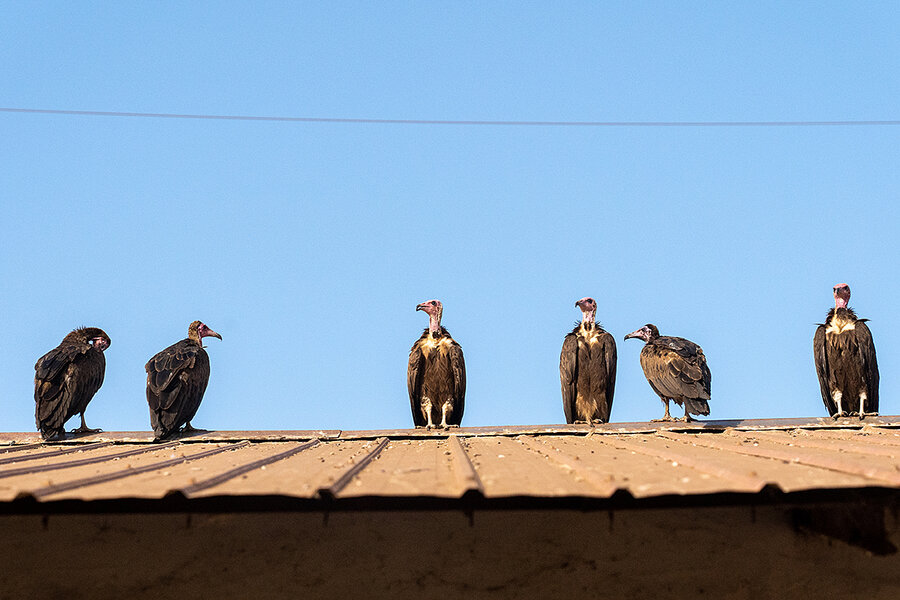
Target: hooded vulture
176,380
676,370
845,360
66,378
587,369
436,374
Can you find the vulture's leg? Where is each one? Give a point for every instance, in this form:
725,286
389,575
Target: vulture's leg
862,407
448,406
426,408
687,416
667,416
837,400
84,428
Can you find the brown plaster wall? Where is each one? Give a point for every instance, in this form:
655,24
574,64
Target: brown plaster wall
724,552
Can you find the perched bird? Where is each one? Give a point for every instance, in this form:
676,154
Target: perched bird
845,360
587,369
66,378
176,380
436,375
676,370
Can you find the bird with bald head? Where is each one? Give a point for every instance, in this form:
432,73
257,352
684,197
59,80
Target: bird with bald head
587,369
176,381
66,379
436,374
676,370
846,366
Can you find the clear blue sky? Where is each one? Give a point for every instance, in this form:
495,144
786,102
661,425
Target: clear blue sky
308,246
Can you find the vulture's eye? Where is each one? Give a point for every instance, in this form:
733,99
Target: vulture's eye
433,302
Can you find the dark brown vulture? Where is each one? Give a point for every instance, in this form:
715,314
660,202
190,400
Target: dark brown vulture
587,369
436,375
176,380
845,360
676,370
66,378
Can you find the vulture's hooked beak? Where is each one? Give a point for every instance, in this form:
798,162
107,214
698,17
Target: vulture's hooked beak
634,334
420,307
211,333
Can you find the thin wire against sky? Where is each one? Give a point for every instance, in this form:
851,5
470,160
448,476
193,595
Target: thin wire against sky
105,113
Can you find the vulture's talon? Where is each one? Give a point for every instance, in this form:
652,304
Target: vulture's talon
87,430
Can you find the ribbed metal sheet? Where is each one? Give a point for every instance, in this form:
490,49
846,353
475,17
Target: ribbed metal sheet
645,460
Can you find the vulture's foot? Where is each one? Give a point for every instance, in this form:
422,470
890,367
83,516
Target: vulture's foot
191,429
863,415
583,422
839,414
449,426
429,427
665,419
686,418
86,429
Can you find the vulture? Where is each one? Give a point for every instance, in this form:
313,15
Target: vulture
176,380
587,369
845,360
66,378
676,370
436,374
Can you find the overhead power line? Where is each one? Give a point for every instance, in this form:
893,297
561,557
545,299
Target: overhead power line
107,113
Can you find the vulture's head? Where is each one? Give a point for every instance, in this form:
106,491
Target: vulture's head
841,295
646,333
198,330
432,308
588,309
586,304
96,337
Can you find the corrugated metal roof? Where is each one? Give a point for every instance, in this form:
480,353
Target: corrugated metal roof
639,460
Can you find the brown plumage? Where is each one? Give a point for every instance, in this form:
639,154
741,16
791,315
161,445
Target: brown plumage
436,374
676,370
66,378
587,369
845,360
176,381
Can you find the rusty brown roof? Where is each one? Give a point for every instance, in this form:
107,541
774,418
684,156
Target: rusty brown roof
399,467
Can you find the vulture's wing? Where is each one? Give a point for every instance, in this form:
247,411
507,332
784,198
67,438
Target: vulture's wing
57,385
49,369
458,367
414,372
866,346
164,369
822,369
609,357
675,374
568,366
